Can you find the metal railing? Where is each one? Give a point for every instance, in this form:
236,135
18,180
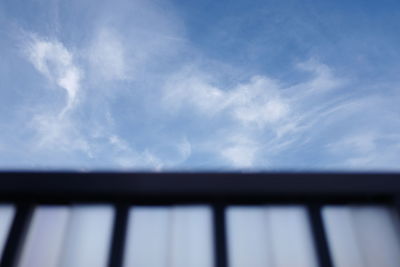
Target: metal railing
218,190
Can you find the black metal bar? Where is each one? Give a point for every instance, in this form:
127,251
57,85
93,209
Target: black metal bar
119,186
220,242
396,208
320,238
16,236
118,237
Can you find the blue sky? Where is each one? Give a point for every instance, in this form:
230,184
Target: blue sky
200,85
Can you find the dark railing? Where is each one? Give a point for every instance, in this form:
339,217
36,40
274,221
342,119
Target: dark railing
218,190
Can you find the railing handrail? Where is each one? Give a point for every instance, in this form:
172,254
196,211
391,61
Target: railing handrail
199,186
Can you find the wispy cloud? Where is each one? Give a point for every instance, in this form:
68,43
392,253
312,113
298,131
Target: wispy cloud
127,158
126,85
240,151
323,78
107,56
257,102
260,116
370,149
61,130
54,128
56,63
55,133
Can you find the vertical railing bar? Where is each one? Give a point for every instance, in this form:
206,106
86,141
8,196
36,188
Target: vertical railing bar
396,209
220,245
118,236
16,235
319,235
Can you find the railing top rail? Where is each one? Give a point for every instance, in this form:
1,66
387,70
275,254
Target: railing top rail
203,185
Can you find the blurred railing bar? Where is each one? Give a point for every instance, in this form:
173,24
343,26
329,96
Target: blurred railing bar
16,235
220,238
119,236
319,235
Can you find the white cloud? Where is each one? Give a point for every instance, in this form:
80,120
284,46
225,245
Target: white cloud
118,143
61,130
56,63
127,157
107,56
55,133
134,160
323,79
55,129
245,121
240,151
367,150
359,143
257,102
192,88
260,116
153,160
252,111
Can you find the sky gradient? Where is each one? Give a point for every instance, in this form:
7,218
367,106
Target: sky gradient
200,85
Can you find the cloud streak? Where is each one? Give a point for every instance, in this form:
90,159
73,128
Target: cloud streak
56,63
259,118
252,110
129,85
107,56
